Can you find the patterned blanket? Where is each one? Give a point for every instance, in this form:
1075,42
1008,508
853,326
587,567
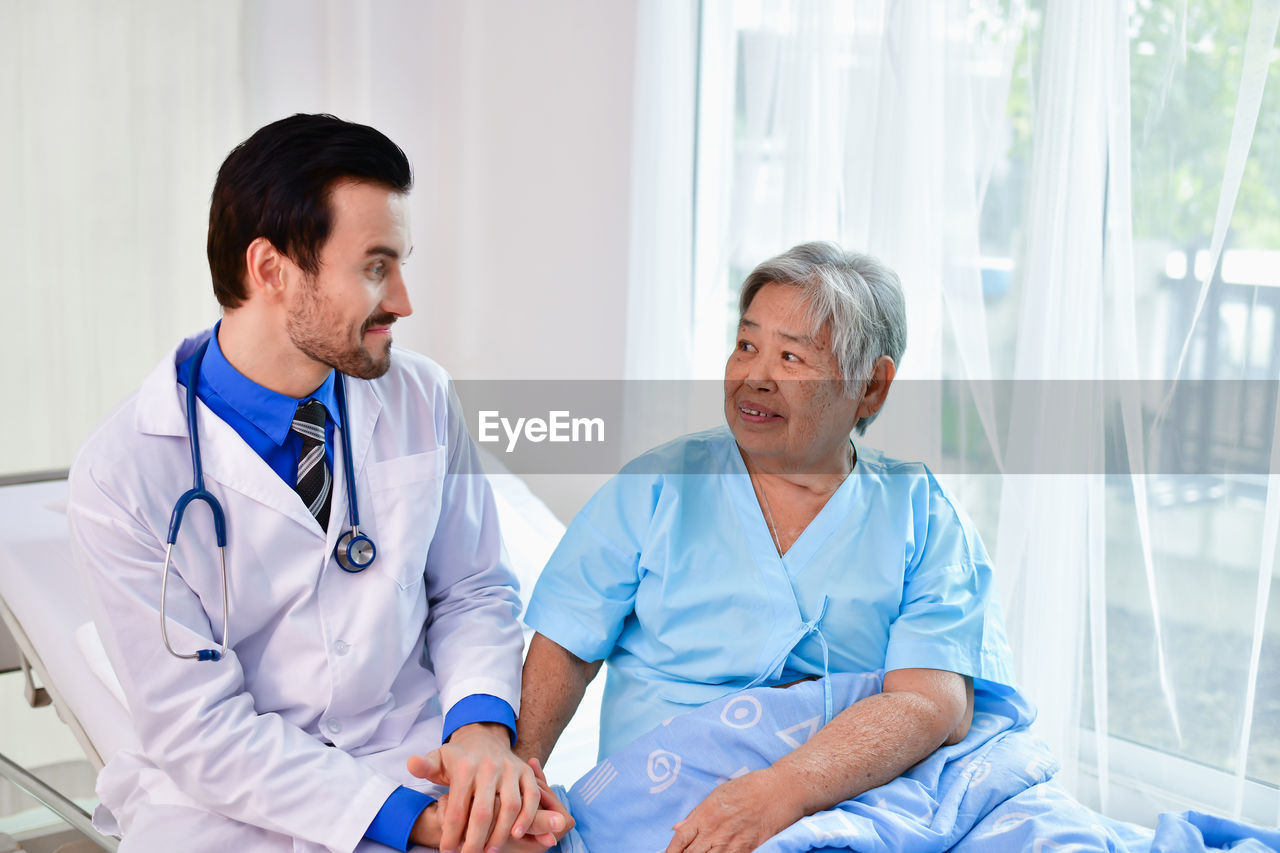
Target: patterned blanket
993,791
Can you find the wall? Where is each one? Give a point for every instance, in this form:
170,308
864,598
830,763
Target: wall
526,183
526,231
516,116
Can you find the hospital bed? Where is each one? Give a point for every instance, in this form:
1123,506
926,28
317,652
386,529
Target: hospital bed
61,655
46,613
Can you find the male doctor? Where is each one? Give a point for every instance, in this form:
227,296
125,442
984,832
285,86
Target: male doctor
298,737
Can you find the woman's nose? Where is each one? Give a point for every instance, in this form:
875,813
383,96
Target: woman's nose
760,379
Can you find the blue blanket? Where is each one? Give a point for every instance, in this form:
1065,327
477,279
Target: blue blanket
991,792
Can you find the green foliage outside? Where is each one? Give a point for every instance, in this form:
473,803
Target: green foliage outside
1186,60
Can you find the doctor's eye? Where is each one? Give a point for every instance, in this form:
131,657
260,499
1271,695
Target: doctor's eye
377,270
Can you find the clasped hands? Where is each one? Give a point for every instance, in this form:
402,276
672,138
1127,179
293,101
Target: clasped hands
496,803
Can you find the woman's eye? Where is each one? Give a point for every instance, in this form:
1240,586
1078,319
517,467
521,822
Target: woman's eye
790,356
744,346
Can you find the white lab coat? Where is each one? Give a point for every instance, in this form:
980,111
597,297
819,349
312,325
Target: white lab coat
317,654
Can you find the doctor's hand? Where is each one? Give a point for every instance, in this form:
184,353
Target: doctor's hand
738,816
493,796
426,831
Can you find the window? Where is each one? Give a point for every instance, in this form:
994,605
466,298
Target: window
930,137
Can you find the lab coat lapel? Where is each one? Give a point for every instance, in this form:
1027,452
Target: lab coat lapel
239,467
363,408
231,462
162,406
226,458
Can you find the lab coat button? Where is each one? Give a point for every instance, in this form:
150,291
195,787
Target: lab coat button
333,726
341,648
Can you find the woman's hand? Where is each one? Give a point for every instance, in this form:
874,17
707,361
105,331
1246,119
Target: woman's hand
738,816
866,745
550,824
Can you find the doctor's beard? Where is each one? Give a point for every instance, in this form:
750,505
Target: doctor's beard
315,332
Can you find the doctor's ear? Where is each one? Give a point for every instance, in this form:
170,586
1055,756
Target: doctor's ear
877,387
265,268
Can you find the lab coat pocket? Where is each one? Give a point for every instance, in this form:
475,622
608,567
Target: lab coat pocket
405,493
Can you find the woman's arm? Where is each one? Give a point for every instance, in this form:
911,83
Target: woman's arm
553,683
867,745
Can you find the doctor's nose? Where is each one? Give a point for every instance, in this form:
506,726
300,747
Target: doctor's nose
396,299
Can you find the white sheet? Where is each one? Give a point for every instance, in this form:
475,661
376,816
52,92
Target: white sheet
39,584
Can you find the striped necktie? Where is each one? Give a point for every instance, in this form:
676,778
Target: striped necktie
315,485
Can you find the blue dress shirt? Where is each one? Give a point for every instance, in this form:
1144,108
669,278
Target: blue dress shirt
263,418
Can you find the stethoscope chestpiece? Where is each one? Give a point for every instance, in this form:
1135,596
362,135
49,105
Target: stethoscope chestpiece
354,551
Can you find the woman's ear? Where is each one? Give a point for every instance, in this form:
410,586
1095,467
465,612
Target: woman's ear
265,269
877,387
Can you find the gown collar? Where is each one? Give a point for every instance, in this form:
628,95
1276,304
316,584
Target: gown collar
836,512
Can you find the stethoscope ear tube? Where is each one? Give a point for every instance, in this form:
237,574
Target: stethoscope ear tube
202,654
196,493
199,493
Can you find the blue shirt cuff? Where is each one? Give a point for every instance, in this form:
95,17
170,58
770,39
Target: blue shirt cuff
479,708
394,821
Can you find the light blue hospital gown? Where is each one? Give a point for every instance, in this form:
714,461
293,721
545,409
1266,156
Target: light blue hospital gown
670,573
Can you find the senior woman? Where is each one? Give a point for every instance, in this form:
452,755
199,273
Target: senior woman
775,550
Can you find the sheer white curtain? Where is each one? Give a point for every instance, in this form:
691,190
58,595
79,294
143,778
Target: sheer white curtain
660,327
659,295
896,128
868,123
1051,531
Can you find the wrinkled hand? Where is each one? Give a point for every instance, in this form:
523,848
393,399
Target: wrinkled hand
737,817
493,796
551,823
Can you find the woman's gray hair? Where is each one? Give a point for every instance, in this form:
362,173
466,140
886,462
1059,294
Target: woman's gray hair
855,295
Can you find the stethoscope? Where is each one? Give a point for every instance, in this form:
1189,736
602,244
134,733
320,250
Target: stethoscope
354,552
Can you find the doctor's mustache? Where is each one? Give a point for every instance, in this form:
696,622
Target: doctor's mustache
377,320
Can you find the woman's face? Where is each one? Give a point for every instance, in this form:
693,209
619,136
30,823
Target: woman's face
784,396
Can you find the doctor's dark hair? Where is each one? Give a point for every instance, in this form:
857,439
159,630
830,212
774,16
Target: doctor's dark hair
855,295
277,183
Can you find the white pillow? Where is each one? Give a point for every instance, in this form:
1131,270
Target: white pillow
95,655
